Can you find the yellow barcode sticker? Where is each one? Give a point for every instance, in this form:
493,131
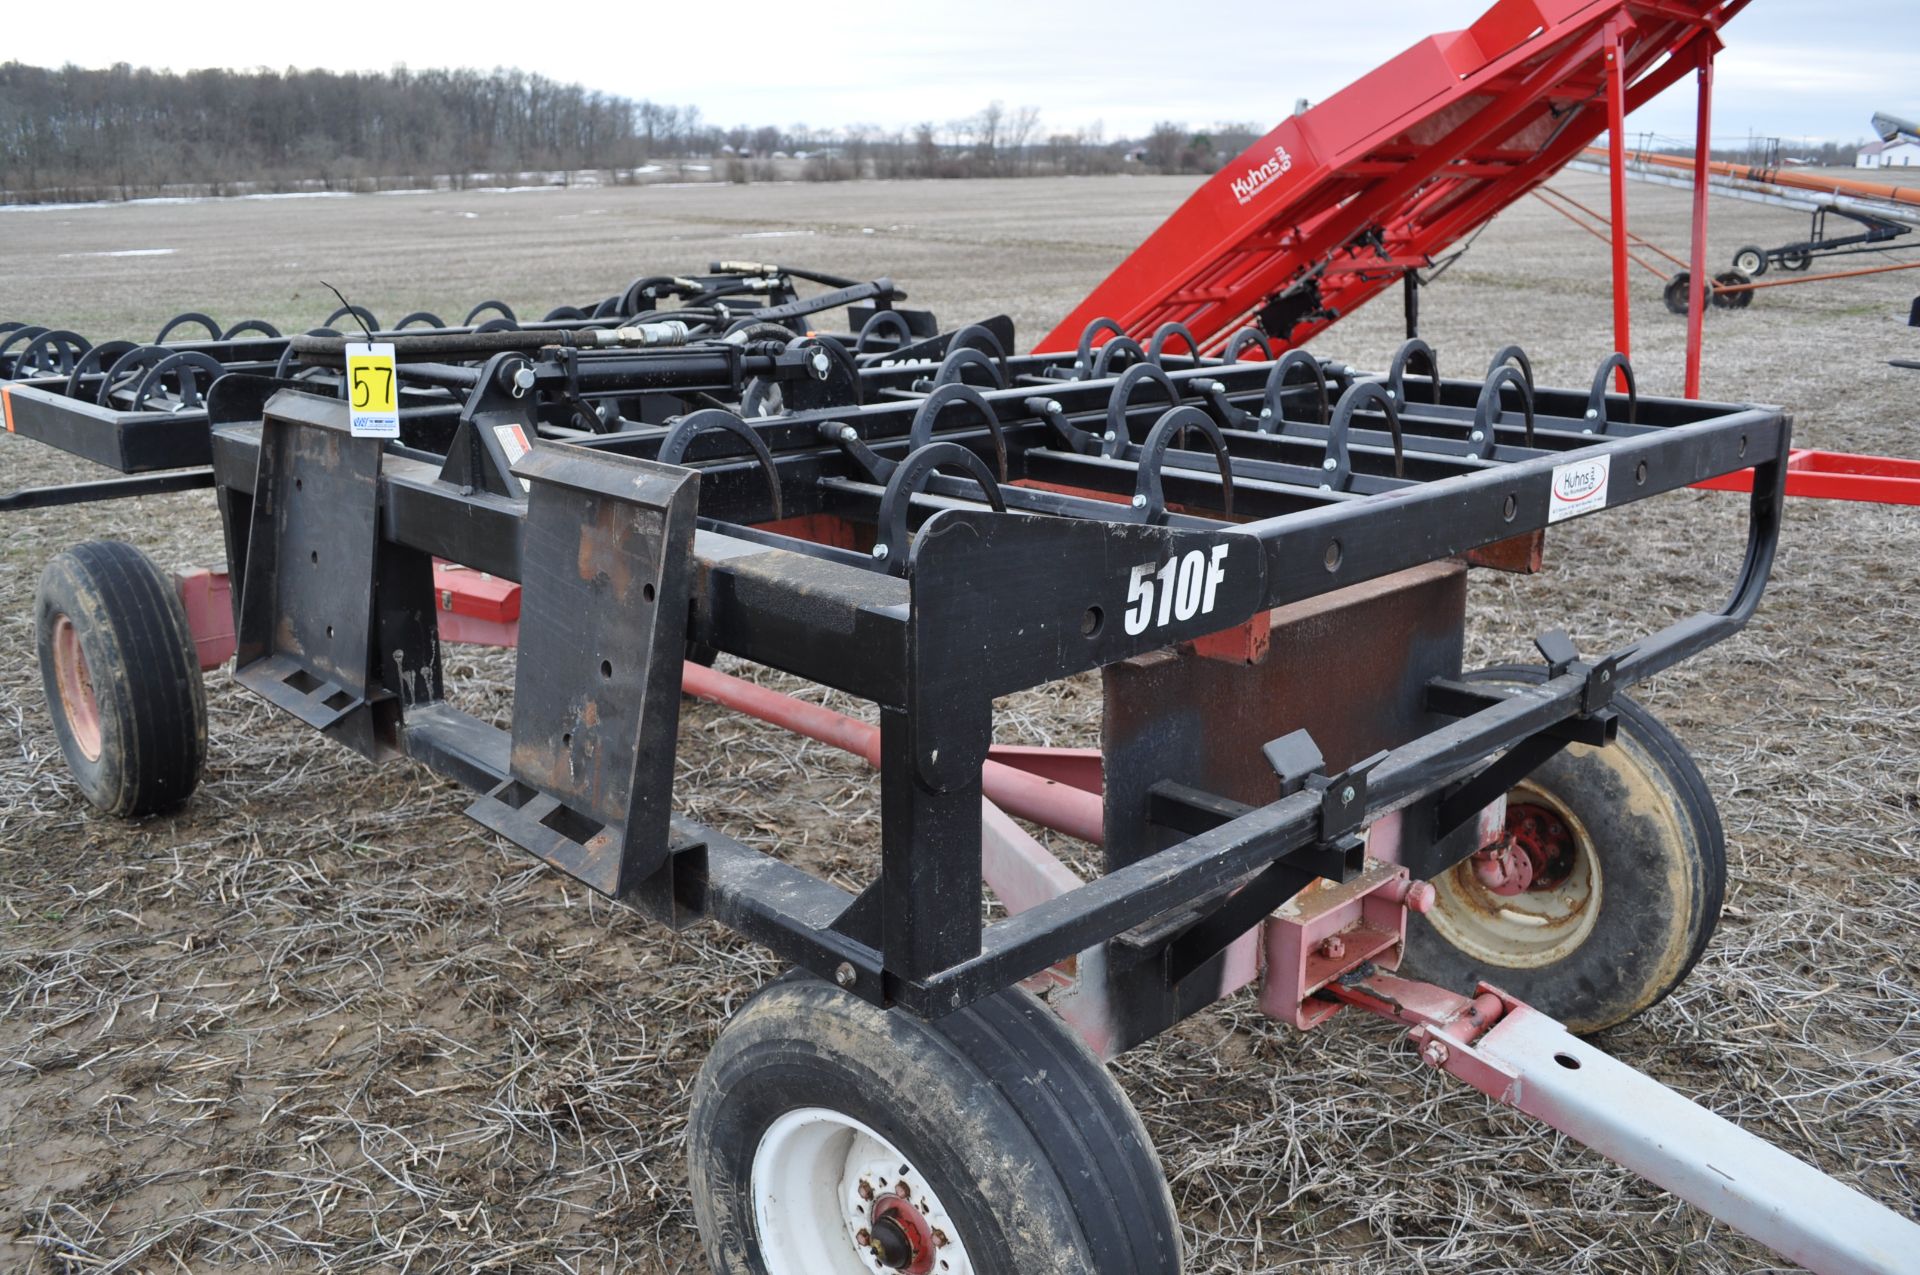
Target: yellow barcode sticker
373,392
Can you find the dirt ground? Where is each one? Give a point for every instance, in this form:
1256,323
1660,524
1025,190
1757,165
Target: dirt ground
319,1021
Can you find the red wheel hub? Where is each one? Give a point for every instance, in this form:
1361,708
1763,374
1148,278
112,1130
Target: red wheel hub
1543,836
1537,852
900,1236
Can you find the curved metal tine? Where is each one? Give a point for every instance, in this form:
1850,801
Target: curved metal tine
1403,358
959,359
425,318
912,476
1338,466
1596,419
1242,341
1489,408
1103,359
54,353
97,359
1273,417
181,320
125,374
978,336
946,396
256,326
1083,355
1513,354
22,335
1118,436
1157,347
184,366
358,313
876,322
504,310
710,420
1149,497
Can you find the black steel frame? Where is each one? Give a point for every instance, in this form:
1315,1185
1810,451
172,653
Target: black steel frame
1014,575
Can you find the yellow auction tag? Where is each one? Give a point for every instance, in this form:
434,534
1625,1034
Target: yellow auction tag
372,390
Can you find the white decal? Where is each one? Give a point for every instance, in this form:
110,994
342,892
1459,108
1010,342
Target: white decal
1579,487
513,441
1182,587
1261,176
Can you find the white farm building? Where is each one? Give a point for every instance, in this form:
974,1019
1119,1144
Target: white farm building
1903,152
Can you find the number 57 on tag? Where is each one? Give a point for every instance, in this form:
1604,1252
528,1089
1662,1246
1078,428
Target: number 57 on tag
372,396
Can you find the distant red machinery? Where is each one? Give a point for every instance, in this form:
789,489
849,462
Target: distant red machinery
1377,182
1350,196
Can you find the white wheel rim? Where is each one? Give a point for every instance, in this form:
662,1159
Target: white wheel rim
1530,929
822,1180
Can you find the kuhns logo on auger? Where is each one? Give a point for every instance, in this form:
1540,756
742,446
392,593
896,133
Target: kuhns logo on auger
1261,176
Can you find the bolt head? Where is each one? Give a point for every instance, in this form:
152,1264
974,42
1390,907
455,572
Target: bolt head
1329,463
1421,897
1347,795
1592,415
1435,1053
1139,502
880,550
1334,948
1477,436
523,378
1266,412
849,434
1107,437
844,975
1054,408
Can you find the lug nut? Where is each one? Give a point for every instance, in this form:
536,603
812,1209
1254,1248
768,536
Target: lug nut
1421,897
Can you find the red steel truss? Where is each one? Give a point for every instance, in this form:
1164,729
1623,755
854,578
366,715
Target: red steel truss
1344,199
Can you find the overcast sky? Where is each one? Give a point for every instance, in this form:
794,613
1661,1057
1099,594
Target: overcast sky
1793,68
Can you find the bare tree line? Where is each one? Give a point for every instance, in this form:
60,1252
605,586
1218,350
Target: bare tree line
125,132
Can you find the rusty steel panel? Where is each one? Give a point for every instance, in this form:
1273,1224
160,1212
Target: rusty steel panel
307,588
603,623
1350,667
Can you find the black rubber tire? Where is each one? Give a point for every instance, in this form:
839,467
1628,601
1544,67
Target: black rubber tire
1663,873
1798,259
1751,260
1676,294
139,656
1725,300
1026,1140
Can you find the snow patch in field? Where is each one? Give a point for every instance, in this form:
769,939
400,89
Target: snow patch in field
124,252
774,234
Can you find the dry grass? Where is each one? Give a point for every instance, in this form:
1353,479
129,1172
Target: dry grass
319,1021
